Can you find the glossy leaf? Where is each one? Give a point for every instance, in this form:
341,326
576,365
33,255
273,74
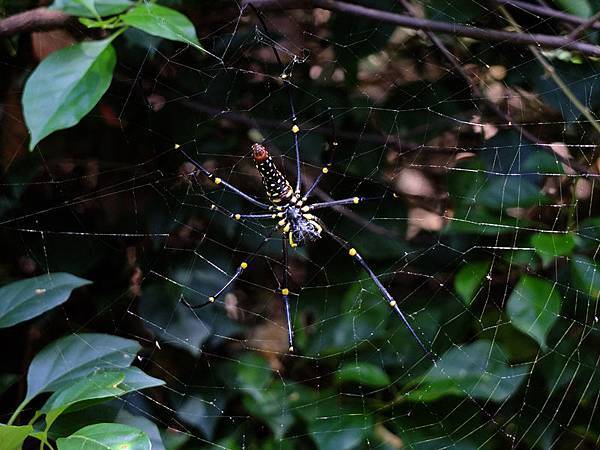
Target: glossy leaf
342,428
586,276
102,7
106,436
533,307
144,424
12,437
102,384
580,8
272,406
469,279
76,356
25,299
364,374
479,370
550,245
66,86
162,22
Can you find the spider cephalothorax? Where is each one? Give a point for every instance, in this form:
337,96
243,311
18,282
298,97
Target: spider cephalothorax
295,222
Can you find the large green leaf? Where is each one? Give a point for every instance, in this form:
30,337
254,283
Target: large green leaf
76,356
102,7
578,7
363,373
550,245
101,384
468,279
586,276
162,22
509,192
478,370
272,406
66,86
106,436
533,307
25,299
12,437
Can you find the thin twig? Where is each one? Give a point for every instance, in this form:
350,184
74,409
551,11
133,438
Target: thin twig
579,168
37,19
485,34
573,35
545,11
555,77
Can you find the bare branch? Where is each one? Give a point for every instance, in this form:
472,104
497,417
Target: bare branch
38,19
584,26
545,11
541,40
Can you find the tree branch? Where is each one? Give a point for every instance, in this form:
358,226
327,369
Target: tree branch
542,40
546,12
38,19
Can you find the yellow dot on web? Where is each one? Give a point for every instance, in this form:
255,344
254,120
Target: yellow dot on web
352,252
285,291
295,129
244,265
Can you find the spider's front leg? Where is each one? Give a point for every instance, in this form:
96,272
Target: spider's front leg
241,268
285,294
388,297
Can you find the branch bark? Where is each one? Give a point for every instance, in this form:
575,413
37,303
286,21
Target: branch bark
546,12
485,34
38,19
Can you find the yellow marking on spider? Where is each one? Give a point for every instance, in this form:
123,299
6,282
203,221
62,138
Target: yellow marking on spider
281,222
291,349
292,243
318,227
286,228
177,146
218,180
393,303
285,291
305,209
284,76
295,129
352,252
244,265
324,170
356,200
237,217
308,216
211,299
273,216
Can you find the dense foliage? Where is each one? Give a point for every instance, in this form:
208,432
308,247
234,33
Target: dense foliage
489,241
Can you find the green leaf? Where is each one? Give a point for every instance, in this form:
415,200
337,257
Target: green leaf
102,7
340,429
580,8
88,5
75,356
66,86
469,278
101,384
272,406
533,307
106,436
12,437
479,370
511,191
25,299
550,245
144,424
162,22
363,373
585,276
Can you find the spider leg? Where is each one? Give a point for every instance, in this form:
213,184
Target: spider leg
218,180
285,78
333,147
388,297
241,268
284,293
344,201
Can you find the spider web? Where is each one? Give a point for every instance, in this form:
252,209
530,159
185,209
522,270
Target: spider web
486,240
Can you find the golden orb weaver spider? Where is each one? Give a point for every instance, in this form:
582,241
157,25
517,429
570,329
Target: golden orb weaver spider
292,210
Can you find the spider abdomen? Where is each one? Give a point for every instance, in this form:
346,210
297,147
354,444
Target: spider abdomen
277,187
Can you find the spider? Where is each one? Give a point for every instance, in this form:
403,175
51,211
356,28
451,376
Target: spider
292,209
